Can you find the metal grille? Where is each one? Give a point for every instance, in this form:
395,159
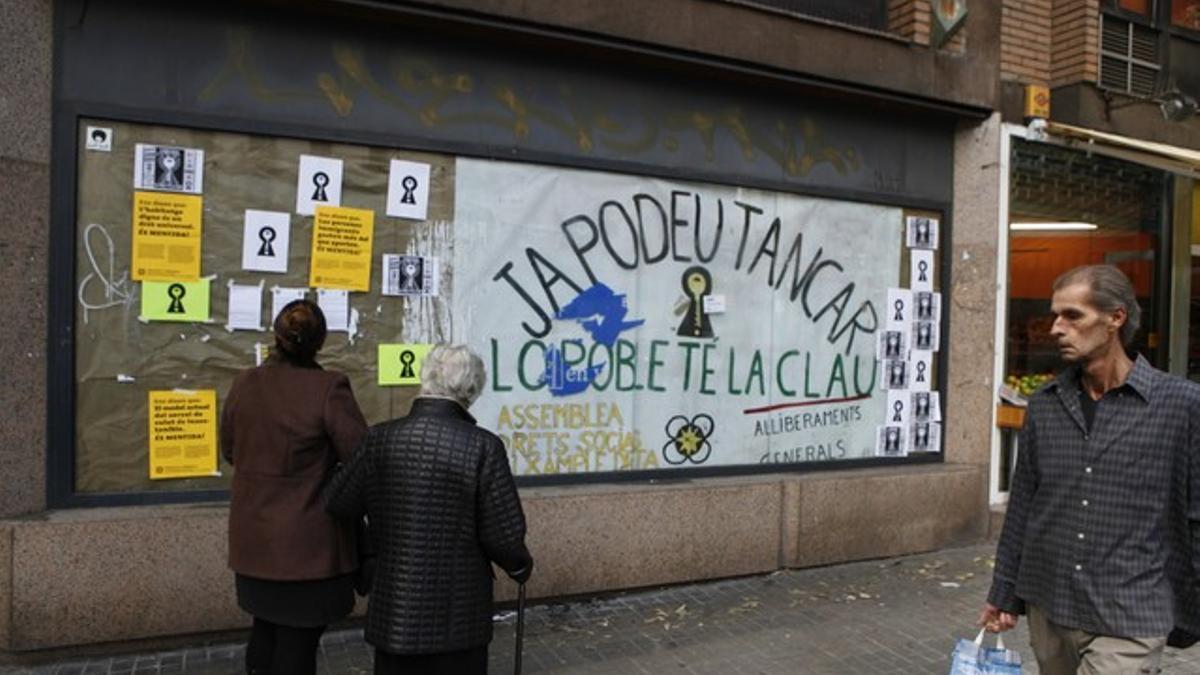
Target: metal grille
866,13
1063,184
1129,57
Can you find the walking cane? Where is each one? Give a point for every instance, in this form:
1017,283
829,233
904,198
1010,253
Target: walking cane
520,629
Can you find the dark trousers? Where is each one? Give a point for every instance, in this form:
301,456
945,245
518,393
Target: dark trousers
282,650
466,662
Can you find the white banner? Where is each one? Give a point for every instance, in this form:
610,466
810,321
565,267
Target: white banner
586,295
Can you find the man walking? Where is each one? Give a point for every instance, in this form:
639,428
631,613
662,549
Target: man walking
1100,541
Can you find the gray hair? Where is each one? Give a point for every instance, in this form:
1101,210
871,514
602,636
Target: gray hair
453,371
1111,290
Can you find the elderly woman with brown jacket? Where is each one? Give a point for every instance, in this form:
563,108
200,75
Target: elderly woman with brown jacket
285,425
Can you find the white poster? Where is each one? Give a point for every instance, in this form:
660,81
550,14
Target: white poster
99,139
921,271
335,305
408,190
318,183
922,371
281,296
897,411
586,295
265,239
245,306
898,314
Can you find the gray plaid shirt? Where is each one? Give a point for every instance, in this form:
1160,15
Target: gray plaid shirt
1103,526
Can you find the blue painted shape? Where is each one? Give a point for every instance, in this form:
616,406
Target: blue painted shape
564,381
601,312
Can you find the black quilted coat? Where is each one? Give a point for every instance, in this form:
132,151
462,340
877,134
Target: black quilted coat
442,505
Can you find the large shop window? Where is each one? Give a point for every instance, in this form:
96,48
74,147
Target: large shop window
1070,208
627,323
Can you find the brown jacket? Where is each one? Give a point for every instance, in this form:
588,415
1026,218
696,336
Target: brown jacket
284,427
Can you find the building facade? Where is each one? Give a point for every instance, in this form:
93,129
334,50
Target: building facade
681,234
1104,172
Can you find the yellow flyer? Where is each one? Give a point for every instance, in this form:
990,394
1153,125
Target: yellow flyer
183,434
341,248
166,236
400,364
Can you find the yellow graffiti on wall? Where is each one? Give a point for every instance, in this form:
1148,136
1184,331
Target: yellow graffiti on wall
421,91
552,438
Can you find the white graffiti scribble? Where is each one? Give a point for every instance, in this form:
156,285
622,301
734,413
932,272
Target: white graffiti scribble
425,318
117,291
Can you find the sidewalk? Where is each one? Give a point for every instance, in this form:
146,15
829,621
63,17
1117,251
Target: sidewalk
890,616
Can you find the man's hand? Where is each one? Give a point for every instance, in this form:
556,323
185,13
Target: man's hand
996,620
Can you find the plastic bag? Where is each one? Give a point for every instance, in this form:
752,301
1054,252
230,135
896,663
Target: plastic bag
970,657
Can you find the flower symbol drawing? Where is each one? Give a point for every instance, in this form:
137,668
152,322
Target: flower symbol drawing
687,439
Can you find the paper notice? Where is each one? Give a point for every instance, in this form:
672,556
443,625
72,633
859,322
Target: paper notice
335,304
176,301
245,306
408,190
281,296
166,237
266,237
183,434
318,183
341,248
400,364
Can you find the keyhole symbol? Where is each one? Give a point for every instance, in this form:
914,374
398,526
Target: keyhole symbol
266,235
409,184
176,291
406,363
697,283
320,179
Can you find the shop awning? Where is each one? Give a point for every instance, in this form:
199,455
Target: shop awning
1160,155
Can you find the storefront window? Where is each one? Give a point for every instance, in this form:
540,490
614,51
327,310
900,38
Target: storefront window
627,323
1142,7
1068,208
1186,14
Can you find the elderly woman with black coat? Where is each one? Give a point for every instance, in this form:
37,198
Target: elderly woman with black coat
285,426
442,506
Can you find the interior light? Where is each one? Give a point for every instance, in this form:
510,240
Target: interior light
1058,227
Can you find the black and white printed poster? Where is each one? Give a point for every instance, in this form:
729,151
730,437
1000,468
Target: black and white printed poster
318,183
921,232
408,190
166,168
266,238
410,275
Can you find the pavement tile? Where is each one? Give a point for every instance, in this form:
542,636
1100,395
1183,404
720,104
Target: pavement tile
890,616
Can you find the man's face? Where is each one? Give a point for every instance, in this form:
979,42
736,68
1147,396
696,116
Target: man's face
1082,332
